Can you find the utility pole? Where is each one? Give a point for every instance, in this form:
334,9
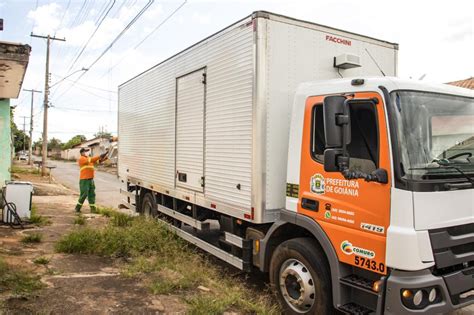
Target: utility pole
46,103
24,133
30,147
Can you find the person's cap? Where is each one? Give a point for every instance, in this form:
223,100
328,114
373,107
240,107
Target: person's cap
83,150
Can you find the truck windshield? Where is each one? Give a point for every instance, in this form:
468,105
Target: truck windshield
436,134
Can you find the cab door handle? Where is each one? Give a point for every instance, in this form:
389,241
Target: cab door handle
310,204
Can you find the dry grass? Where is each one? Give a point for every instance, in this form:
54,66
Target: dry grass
32,238
17,281
171,266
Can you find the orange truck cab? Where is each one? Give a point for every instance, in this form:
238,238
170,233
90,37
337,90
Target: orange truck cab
379,211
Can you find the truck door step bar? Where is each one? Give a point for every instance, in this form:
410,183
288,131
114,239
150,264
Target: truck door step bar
354,308
201,226
213,250
358,282
233,239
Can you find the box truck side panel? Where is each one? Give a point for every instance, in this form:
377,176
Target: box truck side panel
149,103
146,127
229,103
304,52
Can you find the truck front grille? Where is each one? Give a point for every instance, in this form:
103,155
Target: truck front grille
453,251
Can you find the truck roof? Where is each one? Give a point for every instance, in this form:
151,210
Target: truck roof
280,18
373,83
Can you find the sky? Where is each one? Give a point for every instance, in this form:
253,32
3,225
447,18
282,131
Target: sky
435,40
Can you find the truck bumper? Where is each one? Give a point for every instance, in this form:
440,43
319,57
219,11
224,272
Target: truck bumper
454,290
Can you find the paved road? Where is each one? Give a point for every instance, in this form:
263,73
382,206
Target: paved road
107,185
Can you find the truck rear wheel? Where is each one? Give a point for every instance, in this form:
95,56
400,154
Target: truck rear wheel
300,276
148,206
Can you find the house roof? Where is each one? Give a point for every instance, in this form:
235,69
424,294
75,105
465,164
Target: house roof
467,83
14,59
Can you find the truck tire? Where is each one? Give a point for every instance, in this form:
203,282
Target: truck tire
148,206
300,277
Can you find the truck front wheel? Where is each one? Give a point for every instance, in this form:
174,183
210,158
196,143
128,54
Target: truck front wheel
148,206
300,276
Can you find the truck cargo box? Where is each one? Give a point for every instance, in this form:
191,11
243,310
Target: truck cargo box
210,124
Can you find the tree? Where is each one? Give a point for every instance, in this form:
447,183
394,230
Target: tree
20,139
78,139
103,134
54,144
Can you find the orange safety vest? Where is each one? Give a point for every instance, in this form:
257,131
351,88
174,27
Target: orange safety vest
87,166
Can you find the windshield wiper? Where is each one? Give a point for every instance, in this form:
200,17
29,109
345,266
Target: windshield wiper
445,164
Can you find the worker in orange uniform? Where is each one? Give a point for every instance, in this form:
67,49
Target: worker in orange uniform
86,182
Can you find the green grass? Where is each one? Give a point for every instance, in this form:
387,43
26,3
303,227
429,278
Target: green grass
32,238
17,281
24,170
170,265
79,220
117,218
37,219
140,237
41,261
106,211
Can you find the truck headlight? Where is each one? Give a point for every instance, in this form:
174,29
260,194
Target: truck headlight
432,295
419,298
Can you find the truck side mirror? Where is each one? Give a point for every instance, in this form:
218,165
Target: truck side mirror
337,130
336,117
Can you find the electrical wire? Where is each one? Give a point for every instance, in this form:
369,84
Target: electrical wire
86,86
133,21
150,2
77,15
92,35
146,37
62,18
86,110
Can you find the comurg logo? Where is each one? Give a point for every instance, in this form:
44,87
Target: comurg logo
346,247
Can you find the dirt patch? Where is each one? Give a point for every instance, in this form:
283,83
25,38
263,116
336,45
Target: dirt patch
74,284
95,295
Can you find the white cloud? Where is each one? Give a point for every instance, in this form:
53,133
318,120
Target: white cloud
203,19
46,18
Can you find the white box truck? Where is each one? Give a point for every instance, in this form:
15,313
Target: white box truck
322,182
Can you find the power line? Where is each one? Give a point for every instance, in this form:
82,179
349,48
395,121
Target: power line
86,110
77,15
137,16
62,18
92,35
146,37
86,86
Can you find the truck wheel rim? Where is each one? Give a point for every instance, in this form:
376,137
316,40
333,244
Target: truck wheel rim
297,285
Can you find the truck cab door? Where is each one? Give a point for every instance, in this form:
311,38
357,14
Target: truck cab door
354,214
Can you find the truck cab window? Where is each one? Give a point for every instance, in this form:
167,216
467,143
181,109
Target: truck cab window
364,146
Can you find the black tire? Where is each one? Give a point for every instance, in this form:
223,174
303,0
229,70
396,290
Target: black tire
149,207
307,253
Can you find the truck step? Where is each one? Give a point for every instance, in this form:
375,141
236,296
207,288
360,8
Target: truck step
201,226
359,283
354,308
